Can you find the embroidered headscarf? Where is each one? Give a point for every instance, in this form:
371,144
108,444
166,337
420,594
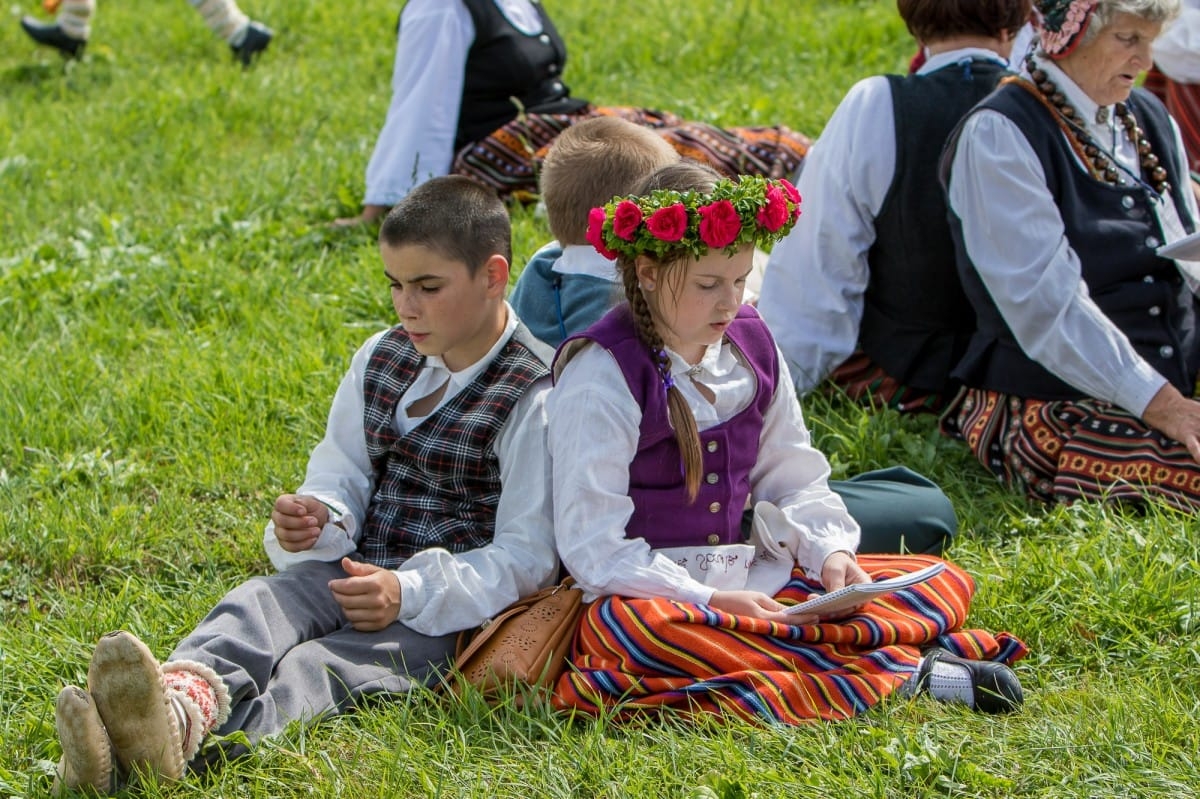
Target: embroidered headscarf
1061,24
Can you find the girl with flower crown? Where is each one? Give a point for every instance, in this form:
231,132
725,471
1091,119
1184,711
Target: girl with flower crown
669,416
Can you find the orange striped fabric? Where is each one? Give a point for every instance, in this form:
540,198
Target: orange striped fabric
1068,450
637,654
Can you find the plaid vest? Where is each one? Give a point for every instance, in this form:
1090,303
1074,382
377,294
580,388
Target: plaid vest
438,485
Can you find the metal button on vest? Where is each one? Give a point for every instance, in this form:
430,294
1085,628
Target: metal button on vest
1166,350
711,478
712,446
1127,201
1154,310
553,68
715,507
1148,279
714,539
557,86
544,38
1151,242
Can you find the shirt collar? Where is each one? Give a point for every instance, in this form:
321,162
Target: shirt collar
582,259
1077,97
463,377
949,57
718,360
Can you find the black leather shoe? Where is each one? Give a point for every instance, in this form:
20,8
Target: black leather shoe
995,687
51,34
258,36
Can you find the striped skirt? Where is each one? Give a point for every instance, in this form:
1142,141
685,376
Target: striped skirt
633,655
1068,450
863,381
509,159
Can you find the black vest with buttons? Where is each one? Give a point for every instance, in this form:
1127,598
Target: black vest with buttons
916,320
505,63
1114,232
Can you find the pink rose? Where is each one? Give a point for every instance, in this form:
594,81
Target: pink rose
595,233
626,219
774,213
719,224
669,223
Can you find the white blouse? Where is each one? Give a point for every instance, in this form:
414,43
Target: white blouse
1015,236
1177,49
417,140
816,279
593,435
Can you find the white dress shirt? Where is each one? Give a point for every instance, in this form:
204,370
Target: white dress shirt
816,278
1177,49
440,592
1016,239
593,438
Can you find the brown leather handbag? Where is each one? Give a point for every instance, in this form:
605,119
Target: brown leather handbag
526,645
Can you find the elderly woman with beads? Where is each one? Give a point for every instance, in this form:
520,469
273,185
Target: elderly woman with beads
1063,186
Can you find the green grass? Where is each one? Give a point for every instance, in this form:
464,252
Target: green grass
174,318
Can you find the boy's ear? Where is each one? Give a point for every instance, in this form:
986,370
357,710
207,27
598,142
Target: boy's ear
496,270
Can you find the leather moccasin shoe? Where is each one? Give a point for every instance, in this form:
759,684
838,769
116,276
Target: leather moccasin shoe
127,685
87,760
51,34
995,687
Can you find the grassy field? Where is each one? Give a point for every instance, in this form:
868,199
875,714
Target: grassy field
174,318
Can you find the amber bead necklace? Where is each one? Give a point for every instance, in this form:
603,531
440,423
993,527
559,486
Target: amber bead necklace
1099,164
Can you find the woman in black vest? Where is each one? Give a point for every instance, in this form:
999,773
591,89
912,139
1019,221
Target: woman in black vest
864,290
465,70
1062,186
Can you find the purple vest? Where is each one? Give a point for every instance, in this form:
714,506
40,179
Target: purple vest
662,514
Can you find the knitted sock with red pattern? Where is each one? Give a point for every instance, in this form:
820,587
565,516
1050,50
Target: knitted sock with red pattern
200,699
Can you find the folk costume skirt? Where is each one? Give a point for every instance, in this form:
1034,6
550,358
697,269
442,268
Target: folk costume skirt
509,158
633,655
1062,451
865,382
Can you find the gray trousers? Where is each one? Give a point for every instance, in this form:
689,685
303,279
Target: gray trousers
286,652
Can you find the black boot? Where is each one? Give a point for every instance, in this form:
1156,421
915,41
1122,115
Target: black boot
51,34
994,686
258,36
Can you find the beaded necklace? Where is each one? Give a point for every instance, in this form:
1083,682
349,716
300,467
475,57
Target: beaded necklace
1099,164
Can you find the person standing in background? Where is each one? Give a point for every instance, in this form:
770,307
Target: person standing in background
72,27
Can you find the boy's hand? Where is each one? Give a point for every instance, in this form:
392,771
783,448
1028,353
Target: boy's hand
370,596
298,521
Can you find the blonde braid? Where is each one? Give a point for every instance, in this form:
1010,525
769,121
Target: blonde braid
687,436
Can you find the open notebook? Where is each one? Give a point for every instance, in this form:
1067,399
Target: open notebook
858,593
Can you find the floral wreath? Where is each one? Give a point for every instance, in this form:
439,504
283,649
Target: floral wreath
753,209
1061,24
